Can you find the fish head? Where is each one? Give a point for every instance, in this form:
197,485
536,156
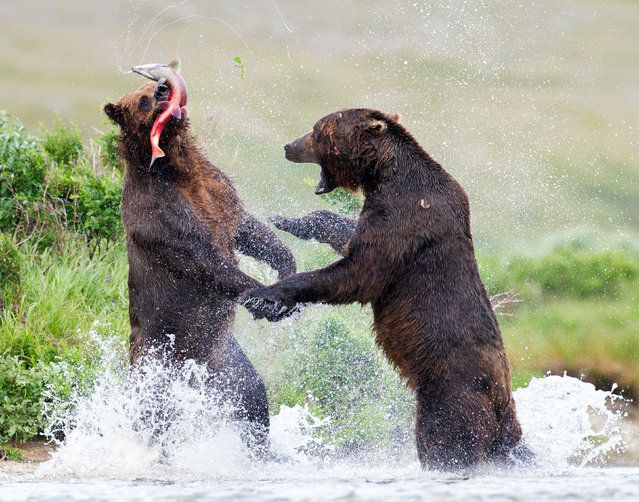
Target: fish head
153,71
168,78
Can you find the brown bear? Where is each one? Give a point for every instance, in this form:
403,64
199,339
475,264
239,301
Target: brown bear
184,222
411,257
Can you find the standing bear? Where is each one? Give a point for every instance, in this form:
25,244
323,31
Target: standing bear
410,255
184,222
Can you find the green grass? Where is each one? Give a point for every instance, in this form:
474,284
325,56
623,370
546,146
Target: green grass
598,337
10,453
62,295
572,327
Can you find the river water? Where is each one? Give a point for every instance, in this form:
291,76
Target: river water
347,483
575,431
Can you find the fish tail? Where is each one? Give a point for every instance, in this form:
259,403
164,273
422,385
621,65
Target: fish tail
156,132
156,152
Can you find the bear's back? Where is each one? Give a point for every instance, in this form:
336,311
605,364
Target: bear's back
434,304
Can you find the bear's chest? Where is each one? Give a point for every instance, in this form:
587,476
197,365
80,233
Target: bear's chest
165,209
216,207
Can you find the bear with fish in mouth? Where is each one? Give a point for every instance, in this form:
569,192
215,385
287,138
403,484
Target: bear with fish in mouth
410,255
184,223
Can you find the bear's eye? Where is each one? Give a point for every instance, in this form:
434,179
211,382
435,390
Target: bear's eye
145,104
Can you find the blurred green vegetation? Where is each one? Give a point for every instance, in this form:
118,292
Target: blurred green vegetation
108,142
572,306
62,265
22,414
63,144
342,200
514,99
22,172
50,191
339,372
10,453
10,265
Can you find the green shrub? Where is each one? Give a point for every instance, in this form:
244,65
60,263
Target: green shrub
10,453
342,200
340,374
338,367
10,264
22,398
345,202
63,144
366,426
90,201
27,388
64,183
22,172
41,201
98,207
108,143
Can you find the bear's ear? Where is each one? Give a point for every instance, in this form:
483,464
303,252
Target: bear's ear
376,126
114,112
395,117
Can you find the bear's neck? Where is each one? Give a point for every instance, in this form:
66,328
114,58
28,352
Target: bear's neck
183,158
186,158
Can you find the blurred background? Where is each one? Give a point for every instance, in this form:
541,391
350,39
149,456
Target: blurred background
533,106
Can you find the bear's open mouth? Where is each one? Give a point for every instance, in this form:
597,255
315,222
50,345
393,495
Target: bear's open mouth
162,92
326,183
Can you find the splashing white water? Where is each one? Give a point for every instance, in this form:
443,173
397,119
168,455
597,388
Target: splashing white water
566,420
118,430
121,429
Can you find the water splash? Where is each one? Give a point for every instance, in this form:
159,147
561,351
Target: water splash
112,431
567,421
121,429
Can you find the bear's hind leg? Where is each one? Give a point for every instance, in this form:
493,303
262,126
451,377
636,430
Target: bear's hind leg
510,446
241,385
452,432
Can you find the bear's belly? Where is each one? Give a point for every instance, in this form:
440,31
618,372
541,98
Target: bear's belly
170,308
430,338
178,313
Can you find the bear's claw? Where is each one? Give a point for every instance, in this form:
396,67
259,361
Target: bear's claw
263,308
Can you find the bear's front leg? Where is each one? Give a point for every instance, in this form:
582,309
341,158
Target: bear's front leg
323,226
345,281
255,239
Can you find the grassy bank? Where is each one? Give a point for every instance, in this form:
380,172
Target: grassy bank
571,306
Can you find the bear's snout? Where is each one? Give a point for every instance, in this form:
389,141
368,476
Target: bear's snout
302,150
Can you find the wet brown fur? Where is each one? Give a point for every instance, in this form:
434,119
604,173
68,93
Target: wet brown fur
411,257
184,222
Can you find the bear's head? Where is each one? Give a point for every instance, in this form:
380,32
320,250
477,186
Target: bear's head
351,147
136,111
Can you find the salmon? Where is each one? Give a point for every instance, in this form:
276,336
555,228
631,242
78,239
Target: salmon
165,74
